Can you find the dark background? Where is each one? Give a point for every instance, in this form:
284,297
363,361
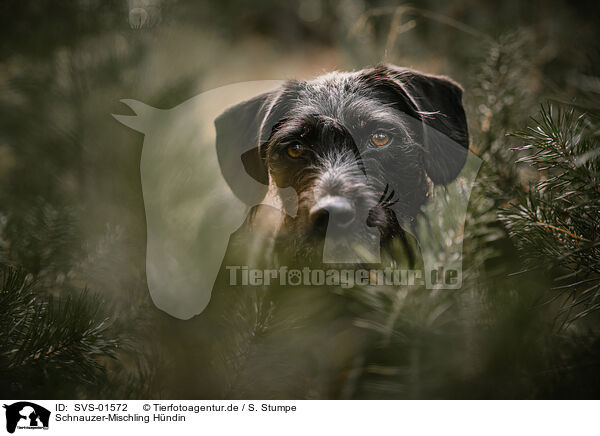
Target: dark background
72,215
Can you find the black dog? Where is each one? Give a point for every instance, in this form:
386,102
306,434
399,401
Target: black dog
360,149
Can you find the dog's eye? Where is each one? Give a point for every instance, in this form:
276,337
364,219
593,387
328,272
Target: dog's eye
295,150
380,139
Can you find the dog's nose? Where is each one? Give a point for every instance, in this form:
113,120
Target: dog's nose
338,211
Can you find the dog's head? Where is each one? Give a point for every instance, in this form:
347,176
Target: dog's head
358,148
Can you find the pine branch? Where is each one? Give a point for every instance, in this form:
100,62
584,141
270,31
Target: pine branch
49,340
557,224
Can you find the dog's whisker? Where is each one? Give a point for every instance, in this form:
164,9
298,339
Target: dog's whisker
383,194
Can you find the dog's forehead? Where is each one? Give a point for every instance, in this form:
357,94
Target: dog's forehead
342,96
335,84
332,94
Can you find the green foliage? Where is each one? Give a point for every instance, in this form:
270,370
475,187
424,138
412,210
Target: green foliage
71,208
501,98
43,238
49,346
557,223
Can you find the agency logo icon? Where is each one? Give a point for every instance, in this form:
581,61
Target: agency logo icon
26,415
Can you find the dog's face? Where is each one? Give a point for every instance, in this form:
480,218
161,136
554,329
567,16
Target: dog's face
359,149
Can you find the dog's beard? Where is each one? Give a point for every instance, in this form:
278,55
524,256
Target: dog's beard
300,243
382,209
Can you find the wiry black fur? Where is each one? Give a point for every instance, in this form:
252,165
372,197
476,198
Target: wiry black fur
333,117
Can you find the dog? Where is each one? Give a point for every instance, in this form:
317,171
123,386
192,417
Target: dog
361,150
352,159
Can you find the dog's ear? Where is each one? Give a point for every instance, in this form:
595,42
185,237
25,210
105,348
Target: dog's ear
240,131
437,101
